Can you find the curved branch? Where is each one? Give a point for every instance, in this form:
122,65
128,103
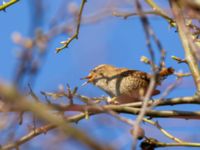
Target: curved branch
75,36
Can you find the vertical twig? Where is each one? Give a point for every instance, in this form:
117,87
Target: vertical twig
188,45
148,33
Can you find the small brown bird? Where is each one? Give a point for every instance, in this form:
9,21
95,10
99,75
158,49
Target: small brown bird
123,85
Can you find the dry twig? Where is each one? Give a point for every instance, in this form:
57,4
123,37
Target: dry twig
75,36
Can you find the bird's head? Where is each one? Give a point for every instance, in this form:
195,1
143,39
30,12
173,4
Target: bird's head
100,72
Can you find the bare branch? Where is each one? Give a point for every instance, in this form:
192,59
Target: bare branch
75,36
179,60
153,143
189,48
156,124
7,4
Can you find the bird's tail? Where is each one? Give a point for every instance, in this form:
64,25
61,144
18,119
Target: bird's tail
166,72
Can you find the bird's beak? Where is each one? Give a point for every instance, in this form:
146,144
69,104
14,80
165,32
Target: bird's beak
85,83
89,79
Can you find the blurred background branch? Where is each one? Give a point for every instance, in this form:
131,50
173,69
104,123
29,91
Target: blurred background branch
80,114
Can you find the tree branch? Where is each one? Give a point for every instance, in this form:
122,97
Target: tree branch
156,124
189,48
160,12
75,36
153,143
41,130
7,4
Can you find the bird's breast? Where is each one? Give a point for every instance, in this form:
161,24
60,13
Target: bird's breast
121,85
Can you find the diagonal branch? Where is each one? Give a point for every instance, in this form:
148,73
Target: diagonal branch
38,131
7,4
156,124
160,12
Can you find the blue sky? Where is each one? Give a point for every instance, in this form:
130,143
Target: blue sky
110,41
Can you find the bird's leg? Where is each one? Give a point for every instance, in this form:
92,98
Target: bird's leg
112,100
151,100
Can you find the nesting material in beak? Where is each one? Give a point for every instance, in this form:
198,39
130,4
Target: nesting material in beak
88,78
85,83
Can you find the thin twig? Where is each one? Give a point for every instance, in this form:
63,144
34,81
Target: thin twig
152,84
75,36
166,92
125,15
179,60
156,124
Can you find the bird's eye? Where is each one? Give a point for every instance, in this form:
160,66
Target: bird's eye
102,74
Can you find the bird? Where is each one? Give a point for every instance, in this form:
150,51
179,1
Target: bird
124,85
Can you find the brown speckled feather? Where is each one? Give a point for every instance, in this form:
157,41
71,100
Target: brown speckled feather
124,84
